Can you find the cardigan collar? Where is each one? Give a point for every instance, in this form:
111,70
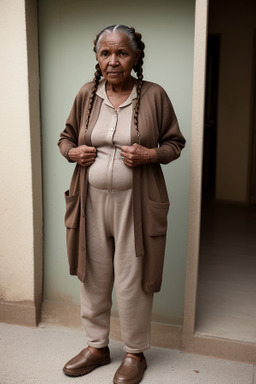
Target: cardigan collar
101,92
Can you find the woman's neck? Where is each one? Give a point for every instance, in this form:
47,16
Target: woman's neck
122,88
117,95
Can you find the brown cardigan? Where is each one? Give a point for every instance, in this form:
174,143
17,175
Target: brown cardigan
158,129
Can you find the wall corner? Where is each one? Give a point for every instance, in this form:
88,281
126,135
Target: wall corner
31,14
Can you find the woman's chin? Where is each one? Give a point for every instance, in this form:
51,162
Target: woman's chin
115,79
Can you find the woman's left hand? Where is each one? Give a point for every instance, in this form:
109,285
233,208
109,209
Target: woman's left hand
136,154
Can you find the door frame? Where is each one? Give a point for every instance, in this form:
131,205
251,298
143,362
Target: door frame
196,161
191,341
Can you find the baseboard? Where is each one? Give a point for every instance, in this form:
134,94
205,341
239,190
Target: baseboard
20,313
221,348
162,335
63,314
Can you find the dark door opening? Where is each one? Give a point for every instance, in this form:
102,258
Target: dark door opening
252,187
211,112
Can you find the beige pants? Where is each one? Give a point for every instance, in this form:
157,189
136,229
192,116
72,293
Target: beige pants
111,258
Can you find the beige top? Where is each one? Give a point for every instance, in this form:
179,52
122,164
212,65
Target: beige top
112,130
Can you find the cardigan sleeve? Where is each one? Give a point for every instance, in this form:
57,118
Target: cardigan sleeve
171,140
69,137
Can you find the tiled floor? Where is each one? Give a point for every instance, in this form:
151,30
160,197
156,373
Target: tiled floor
227,272
37,355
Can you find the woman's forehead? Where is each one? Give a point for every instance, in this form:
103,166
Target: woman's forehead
115,40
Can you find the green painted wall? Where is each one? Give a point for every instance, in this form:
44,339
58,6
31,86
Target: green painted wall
67,29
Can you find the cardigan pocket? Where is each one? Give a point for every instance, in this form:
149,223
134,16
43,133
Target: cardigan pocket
72,215
157,217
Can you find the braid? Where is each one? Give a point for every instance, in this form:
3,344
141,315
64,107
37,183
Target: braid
137,107
97,76
139,71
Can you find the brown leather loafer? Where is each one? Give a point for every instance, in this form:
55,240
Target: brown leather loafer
85,362
131,370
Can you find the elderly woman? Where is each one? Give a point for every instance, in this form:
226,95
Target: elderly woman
120,129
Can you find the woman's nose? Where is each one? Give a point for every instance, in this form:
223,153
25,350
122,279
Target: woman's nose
113,59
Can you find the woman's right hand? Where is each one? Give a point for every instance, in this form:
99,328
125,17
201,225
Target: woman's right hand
83,155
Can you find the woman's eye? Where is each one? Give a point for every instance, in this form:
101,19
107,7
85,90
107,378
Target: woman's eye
104,53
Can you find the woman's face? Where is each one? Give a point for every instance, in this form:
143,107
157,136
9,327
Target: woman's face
116,58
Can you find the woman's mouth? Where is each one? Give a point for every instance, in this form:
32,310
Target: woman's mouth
114,74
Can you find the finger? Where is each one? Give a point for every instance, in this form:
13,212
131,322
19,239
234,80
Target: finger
131,163
88,157
125,148
132,156
89,161
86,150
89,164
88,154
86,163
92,149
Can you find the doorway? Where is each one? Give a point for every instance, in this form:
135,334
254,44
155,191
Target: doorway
211,114
226,294
253,135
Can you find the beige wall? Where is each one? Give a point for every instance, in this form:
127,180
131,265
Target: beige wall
19,235
234,21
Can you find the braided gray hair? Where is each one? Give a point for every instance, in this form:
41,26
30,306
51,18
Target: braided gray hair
119,28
